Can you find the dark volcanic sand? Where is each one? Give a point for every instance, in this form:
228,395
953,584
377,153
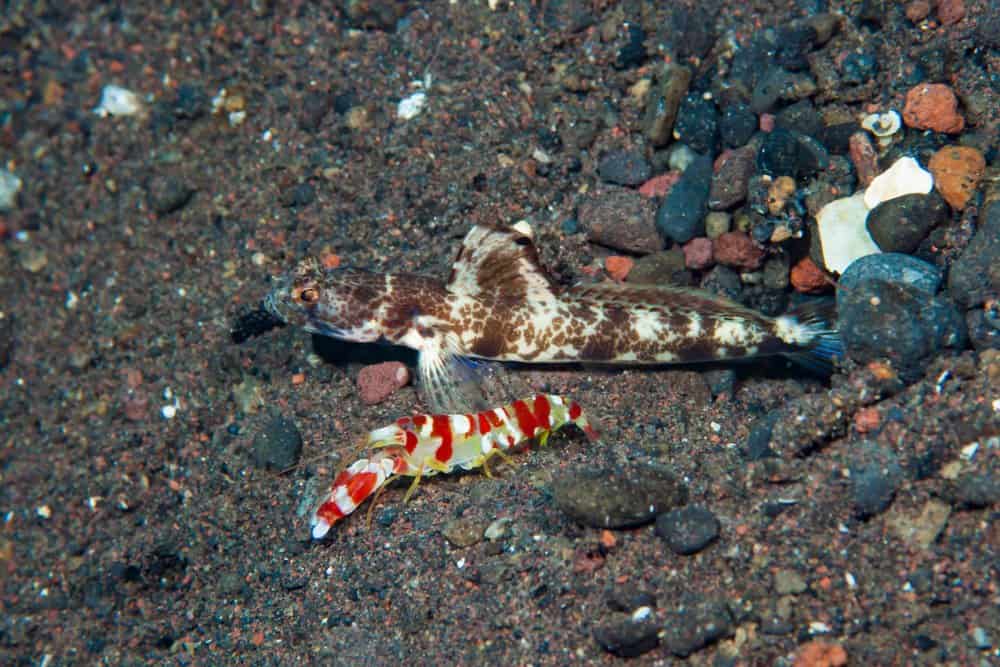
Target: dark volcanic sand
132,535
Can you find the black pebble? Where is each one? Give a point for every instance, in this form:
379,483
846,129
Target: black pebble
626,638
697,123
624,168
737,125
168,194
688,530
277,444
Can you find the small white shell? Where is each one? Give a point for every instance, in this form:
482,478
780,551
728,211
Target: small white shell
883,124
118,101
904,177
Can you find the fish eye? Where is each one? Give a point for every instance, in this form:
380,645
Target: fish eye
308,295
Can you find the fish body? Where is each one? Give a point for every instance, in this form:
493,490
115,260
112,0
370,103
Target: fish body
500,304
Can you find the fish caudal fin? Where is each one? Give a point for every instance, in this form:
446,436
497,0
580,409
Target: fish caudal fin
812,329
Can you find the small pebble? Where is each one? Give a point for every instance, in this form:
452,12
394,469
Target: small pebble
620,219
875,477
900,224
663,102
957,171
818,653
167,194
717,223
463,532
688,530
697,124
618,267
737,125
737,249
950,12
789,582
10,185
377,382
808,278
698,253
732,180
659,186
628,168
618,498
694,626
933,106
980,639
681,216
975,277
627,638
278,444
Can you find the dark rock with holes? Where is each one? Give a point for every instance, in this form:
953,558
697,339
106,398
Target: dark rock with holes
621,219
167,194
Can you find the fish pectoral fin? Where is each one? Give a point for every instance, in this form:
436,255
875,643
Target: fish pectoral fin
449,382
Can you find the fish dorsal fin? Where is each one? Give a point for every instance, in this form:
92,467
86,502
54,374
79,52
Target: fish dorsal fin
499,262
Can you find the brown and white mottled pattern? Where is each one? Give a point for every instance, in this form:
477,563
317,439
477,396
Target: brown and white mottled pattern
500,304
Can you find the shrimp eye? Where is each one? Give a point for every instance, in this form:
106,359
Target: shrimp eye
309,295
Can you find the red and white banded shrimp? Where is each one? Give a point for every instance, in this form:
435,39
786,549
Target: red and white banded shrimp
423,445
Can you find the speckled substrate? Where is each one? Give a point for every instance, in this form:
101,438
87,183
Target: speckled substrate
135,525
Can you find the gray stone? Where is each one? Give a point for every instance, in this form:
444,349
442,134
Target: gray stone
622,219
618,498
681,216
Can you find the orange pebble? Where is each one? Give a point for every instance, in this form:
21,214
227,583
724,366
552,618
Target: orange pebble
808,278
330,261
608,540
298,378
618,266
957,171
821,654
866,420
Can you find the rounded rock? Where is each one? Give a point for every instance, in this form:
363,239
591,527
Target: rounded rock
627,168
933,106
617,498
277,445
898,322
957,171
737,249
688,530
894,268
900,224
621,219
681,216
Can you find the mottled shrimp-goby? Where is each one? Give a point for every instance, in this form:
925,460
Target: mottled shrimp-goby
500,304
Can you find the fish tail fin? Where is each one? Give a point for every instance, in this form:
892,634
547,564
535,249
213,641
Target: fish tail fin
812,329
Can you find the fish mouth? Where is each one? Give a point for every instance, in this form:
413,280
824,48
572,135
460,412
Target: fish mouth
271,305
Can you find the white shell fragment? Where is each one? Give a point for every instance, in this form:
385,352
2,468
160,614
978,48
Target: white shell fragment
118,101
883,124
842,232
904,177
10,185
410,106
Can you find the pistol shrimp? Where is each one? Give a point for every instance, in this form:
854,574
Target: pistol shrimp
424,445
